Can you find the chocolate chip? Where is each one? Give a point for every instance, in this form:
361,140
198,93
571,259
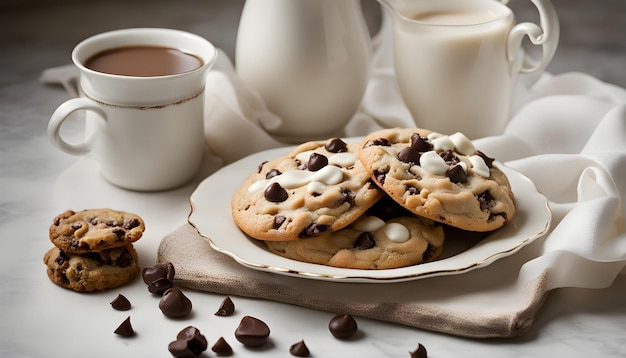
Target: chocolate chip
485,200
120,303
120,233
347,196
159,286
336,145
272,173
299,349
428,253
76,226
488,160
125,259
62,258
278,221
412,190
260,167
317,162
457,174
380,176
227,307
174,303
364,241
342,326
125,329
189,343
419,352
378,141
409,155
112,223
158,271
94,221
252,332
131,224
221,347
275,193
449,157
420,144
314,230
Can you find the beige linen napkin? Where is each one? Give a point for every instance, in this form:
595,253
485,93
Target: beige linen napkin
490,302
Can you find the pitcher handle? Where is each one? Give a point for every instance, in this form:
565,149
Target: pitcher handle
546,35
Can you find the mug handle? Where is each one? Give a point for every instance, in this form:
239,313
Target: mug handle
546,35
61,114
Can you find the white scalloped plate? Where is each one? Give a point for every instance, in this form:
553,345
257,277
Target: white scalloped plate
211,216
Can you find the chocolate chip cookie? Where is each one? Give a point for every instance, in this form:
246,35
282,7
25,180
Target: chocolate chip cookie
95,230
318,187
440,177
386,237
92,271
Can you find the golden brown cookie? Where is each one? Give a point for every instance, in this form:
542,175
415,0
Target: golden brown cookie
95,230
318,187
440,177
92,271
383,238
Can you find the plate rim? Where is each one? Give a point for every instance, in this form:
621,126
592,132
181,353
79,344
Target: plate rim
362,277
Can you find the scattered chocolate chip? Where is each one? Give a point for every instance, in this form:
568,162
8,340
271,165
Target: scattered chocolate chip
457,174
299,349
364,241
125,329
342,326
278,221
275,193
174,303
112,223
378,141
314,230
76,226
488,160
485,200
121,303
380,176
159,277
317,162
419,352
227,307
159,286
120,233
420,144
260,167
189,343
336,145
428,253
94,221
409,155
272,173
252,332
221,347
449,157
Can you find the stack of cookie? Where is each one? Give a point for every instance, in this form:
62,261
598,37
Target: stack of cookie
378,204
93,249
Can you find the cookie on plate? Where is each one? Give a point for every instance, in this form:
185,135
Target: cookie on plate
92,271
440,177
380,239
95,230
318,187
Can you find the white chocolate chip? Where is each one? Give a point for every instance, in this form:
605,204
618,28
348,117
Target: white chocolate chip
397,232
343,159
433,163
368,224
315,187
479,166
442,143
462,144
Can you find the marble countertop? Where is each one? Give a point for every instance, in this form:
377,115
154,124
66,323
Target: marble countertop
39,319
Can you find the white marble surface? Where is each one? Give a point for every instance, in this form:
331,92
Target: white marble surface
38,319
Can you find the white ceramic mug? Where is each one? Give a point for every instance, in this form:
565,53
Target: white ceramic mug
145,132
457,61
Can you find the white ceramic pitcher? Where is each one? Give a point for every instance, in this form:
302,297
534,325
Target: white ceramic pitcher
308,59
457,61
